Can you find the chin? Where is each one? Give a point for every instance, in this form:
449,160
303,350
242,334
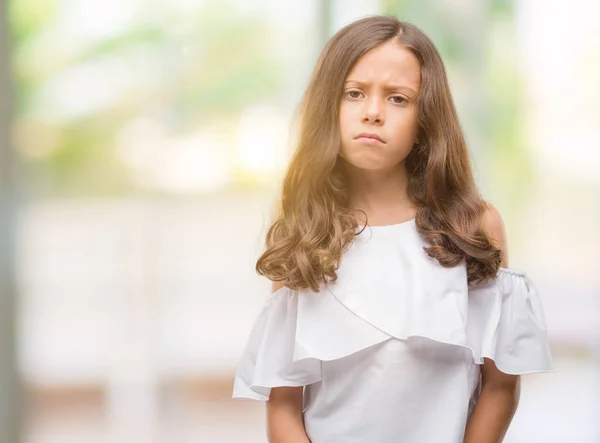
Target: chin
365,160
367,165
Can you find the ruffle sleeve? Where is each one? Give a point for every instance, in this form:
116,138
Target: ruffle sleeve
294,333
506,323
268,359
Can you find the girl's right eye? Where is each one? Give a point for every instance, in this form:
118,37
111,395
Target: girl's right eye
353,94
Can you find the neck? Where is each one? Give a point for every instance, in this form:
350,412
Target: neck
382,194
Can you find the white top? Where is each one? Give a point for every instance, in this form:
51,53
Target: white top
392,350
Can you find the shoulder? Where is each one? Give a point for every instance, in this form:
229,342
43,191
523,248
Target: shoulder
276,285
494,228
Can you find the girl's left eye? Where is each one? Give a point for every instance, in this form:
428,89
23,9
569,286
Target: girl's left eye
400,100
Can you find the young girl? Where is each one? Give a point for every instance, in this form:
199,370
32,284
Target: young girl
394,317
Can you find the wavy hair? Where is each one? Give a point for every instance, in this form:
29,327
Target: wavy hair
314,224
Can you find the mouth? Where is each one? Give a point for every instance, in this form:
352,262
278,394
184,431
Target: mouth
370,138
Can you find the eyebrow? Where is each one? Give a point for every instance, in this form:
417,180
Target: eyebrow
388,87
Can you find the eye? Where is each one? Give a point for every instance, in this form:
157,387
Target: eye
353,94
398,99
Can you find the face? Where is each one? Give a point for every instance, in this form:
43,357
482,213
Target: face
378,110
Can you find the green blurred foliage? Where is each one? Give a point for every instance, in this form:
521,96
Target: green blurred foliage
509,160
28,17
194,69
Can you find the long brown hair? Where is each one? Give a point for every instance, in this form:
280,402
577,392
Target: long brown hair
315,225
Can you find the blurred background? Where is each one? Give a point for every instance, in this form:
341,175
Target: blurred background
141,147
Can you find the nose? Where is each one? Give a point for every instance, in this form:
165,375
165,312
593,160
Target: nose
373,112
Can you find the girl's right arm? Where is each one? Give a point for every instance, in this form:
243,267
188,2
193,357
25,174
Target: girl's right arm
284,416
284,411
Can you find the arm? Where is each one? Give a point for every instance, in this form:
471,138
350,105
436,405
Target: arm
500,392
496,406
284,416
284,411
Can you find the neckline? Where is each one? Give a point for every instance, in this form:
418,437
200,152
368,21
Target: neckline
388,227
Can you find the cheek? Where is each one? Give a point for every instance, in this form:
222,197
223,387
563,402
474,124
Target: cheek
405,125
345,121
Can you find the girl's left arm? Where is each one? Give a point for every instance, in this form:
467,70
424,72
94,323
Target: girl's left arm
495,407
500,392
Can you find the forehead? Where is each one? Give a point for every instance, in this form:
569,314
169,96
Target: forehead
388,63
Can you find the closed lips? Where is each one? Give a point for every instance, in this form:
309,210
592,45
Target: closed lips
369,135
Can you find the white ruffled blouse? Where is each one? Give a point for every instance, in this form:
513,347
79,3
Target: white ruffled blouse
392,350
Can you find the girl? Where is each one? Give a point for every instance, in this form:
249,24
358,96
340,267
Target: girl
394,317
